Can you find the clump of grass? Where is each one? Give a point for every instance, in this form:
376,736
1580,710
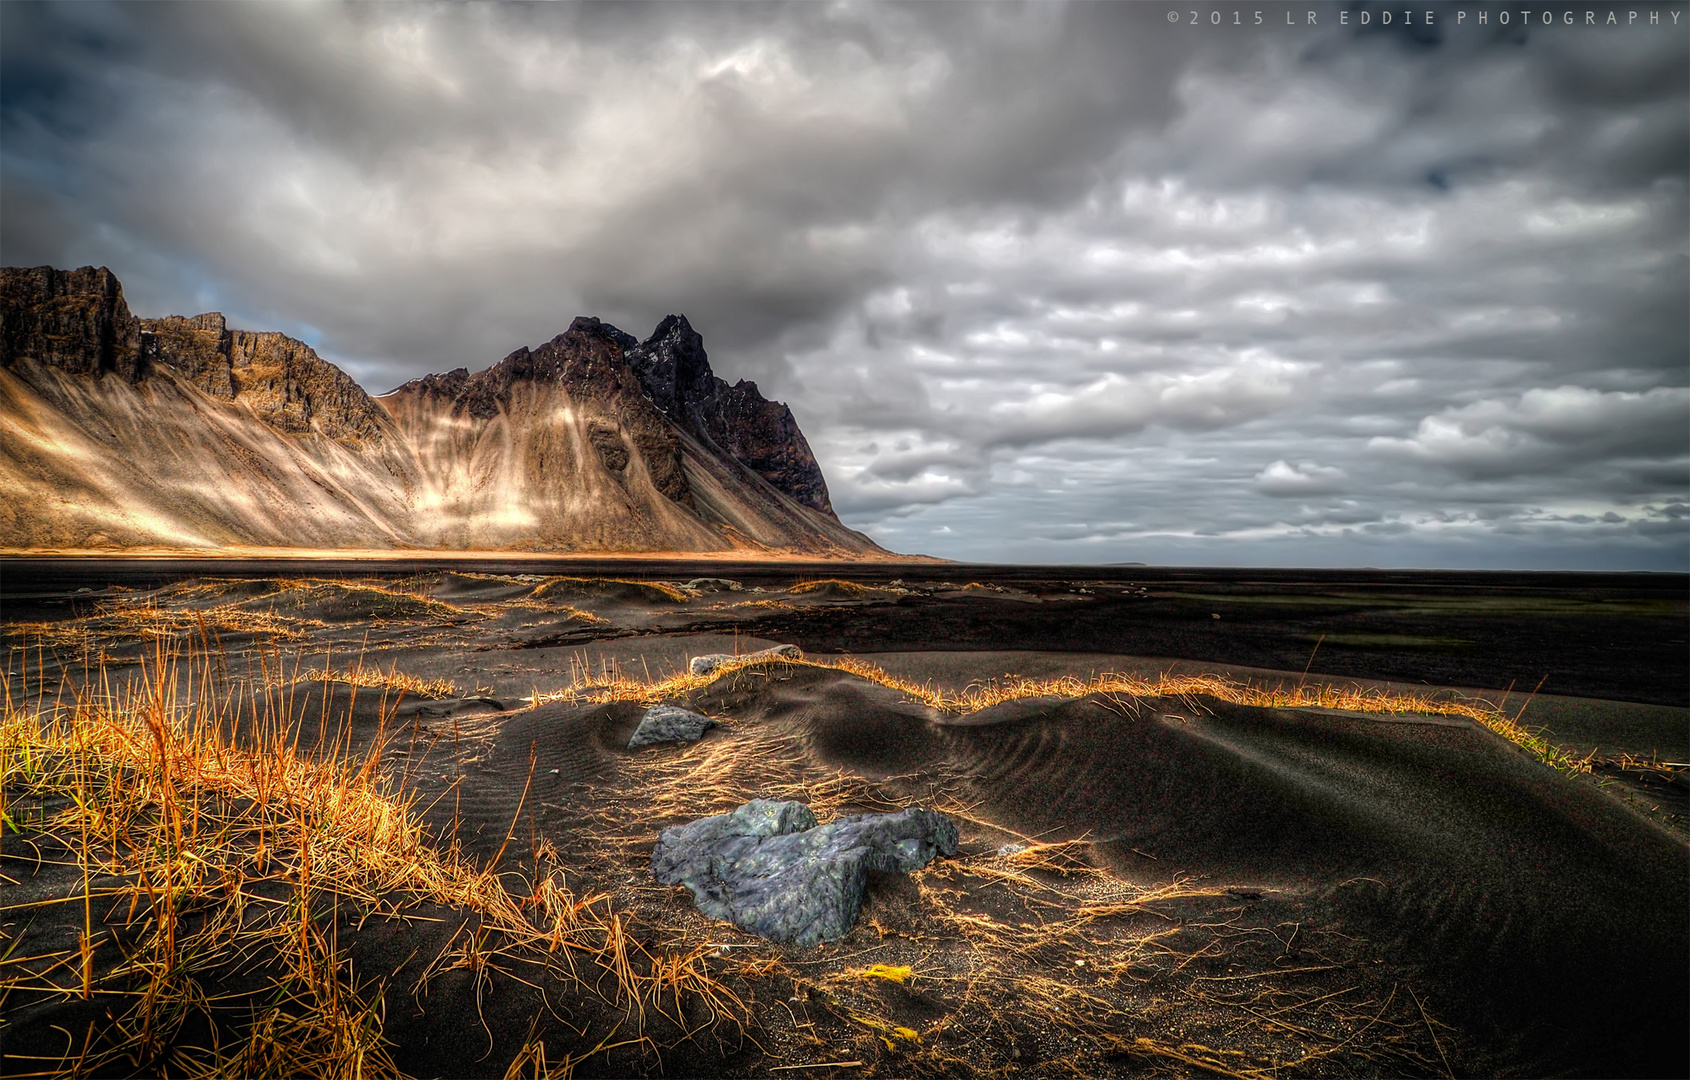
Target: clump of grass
358,600
195,589
1073,955
1128,689
117,623
660,591
1063,857
831,587
763,605
1125,690
610,682
186,822
560,612
1624,761
884,972
390,680
197,838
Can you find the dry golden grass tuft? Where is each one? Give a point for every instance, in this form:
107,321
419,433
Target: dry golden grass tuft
1651,765
761,605
220,852
661,591
360,600
1123,691
124,622
390,680
556,612
831,587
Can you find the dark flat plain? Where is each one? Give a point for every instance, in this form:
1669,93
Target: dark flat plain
1619,637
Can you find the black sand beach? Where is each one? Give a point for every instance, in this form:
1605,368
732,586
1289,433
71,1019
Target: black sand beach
1213,822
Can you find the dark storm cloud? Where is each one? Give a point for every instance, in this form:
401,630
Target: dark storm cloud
749,164
1062,282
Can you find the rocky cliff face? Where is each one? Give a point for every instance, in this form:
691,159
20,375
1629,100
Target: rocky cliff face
283,381
74,320
211,436
78,322
735,421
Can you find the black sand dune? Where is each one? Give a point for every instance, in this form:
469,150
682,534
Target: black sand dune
1203,886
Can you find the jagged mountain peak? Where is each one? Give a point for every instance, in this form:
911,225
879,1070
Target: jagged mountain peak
672,365
594,359
586,359
584,343
735,421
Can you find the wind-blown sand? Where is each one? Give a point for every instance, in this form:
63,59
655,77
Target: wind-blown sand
1206,885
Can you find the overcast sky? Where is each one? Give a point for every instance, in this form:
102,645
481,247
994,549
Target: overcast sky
1046,283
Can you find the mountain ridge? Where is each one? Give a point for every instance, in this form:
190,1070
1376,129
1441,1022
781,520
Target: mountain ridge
183,431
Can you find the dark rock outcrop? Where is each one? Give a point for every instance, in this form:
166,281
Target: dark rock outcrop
291,388
735,421
74,320
196,346
281,379
669,723
77,321
769,868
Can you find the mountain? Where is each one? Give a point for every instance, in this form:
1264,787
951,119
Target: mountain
183,432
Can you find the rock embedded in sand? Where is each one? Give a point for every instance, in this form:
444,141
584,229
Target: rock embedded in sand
669,723
707,664
769,868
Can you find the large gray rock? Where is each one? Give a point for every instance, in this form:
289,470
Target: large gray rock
767,867
669,723
707,664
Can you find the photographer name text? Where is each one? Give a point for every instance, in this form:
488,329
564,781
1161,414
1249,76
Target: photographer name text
1488,16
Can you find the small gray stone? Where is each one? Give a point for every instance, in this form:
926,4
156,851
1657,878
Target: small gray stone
767,867
707,664
669,723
